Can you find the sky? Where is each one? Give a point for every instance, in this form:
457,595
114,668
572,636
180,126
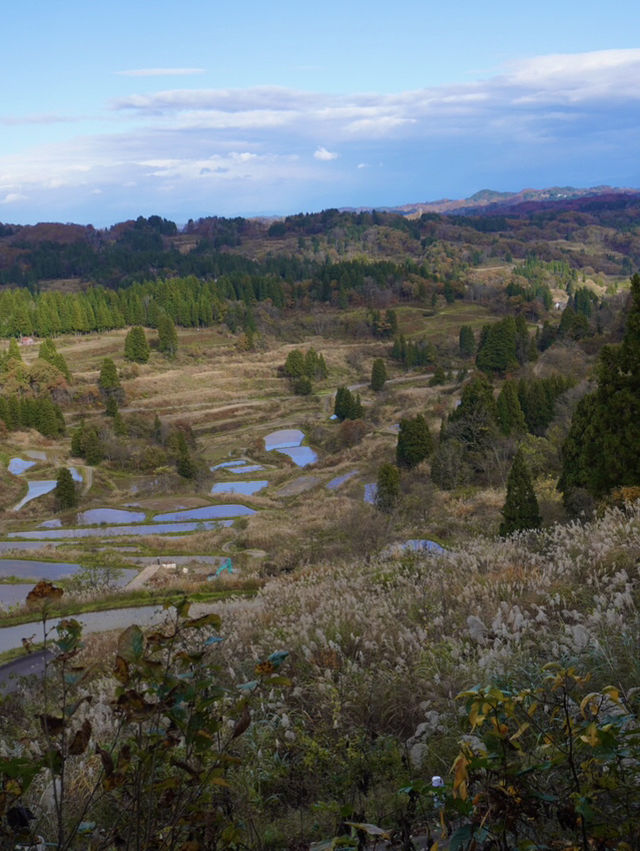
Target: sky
212,107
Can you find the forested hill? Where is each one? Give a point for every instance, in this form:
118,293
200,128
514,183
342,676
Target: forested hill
601,233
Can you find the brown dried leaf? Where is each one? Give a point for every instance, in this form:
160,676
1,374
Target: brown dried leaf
42,592
80,739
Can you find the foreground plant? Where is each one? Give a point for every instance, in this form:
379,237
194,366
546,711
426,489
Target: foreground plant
157,774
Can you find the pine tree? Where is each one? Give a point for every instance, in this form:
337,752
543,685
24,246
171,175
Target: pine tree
415,442
520,509
65,491
136,347
388,487
378,375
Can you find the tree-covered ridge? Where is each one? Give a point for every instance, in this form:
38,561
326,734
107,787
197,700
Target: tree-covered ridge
599,232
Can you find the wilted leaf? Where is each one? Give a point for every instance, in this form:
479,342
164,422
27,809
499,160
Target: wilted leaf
27,643
369,829
80,739
43,592
72,708
179,763
206,620
242,723
121,670
107,760
134,705
51,725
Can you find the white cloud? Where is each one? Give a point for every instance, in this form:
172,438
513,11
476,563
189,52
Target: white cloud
12,198
324,155
160,72
256,141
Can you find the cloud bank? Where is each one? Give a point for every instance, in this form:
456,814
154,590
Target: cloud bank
185,152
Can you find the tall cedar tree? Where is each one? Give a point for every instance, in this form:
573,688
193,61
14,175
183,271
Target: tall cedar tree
520,509
136,347
415,442
467,341
601,450
347,406
388,488
510,417
378,375
65,492
167,336
109,382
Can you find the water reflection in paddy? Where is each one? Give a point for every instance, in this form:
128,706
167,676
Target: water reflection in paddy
11,636
207,512
246,488
36,489
249,468
46,535
18,466
283,438
109,515
50,570
288,441
227,464
370,491
11,595
334,484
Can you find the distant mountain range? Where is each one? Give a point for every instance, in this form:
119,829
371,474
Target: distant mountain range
487,201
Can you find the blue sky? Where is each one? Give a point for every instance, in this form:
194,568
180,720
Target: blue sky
212,107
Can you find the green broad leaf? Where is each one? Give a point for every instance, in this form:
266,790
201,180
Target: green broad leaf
131,644
181,606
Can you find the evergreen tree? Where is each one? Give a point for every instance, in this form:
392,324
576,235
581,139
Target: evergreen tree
49,353
510,417
294,366
92,447
497,351
167,336
302,386
520,509
136,347
388,488
65,491
13,352
601,449
185,465
347,406
414,442
109,382
467,341
474,421
378,375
